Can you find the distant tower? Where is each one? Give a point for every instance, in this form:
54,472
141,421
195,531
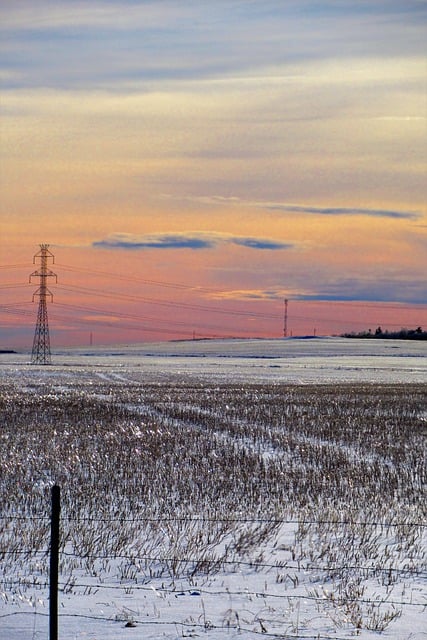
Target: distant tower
41,343
285,320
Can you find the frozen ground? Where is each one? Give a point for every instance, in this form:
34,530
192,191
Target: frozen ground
247,601
300,361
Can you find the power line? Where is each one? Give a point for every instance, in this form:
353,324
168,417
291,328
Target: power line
97,322
15,266
167,303
178,305
8,308
199,307
14,286
359,304
190,332
182,286
162,283
135,317
230,312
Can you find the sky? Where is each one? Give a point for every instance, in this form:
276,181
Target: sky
192,165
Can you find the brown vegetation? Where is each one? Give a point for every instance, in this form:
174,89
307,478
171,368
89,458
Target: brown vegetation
181,480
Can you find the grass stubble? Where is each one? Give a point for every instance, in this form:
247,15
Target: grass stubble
318,489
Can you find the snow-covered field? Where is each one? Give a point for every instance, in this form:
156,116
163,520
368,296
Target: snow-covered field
312,360
217,489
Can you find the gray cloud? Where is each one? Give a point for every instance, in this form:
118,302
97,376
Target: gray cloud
344,211
322,286
161,241
260,243
403,288
191,240
288,207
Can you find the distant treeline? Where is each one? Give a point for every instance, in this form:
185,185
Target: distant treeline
403,334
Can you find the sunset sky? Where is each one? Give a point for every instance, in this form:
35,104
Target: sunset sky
192,164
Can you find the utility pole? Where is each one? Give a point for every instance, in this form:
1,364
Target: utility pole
285,320
41,344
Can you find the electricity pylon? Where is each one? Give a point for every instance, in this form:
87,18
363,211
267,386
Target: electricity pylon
41,344
285,320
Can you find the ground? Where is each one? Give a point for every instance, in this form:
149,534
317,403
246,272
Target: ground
217,489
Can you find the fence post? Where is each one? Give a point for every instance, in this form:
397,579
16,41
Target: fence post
54,563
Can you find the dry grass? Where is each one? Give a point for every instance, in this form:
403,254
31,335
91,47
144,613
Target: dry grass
185,480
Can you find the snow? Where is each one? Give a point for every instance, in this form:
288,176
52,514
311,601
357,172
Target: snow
242,601
292,360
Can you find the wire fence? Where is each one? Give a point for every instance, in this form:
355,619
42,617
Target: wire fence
206,626
129,587
250,564
79,584
201,519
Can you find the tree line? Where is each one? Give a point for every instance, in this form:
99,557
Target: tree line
403,334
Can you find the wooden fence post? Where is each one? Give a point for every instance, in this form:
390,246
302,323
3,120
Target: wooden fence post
54,563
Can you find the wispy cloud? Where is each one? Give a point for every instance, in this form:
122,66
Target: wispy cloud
124,39
250,294
344,211
288,207
189,240
381,286
92,14
157,241
260,243
401,290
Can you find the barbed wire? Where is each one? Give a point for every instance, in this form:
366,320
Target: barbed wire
280,564
208,625
257,565
202,519
26,552
70,586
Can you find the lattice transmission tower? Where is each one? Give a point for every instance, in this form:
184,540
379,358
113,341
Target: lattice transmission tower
41,344
285,320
